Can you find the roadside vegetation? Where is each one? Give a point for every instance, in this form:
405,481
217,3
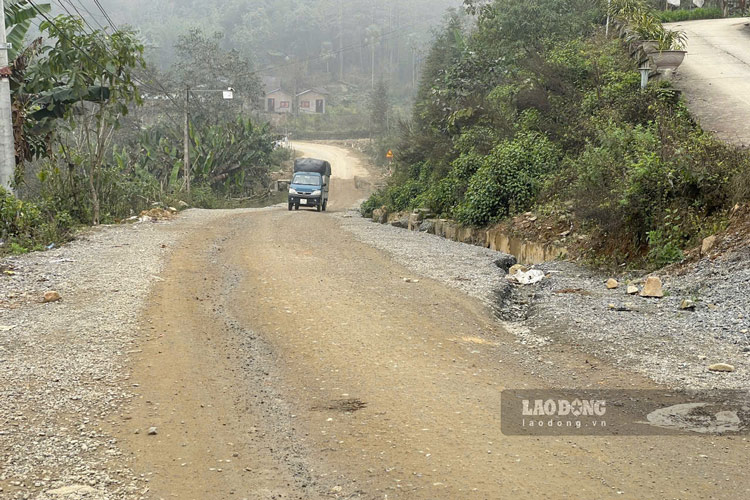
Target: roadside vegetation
679,15
534,108
99,134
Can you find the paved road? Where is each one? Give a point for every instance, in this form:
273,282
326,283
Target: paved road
286,359
715,75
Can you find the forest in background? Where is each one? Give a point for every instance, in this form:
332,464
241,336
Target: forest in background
99,93
320,40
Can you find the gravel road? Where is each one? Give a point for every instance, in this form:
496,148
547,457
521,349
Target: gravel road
279,356
654,337
64,366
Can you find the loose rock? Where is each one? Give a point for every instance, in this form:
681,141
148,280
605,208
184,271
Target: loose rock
152,431
51,296
612,283
687,305
517,267
652,288
633,290
708,244
721,367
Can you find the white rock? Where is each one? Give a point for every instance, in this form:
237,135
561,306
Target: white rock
721,367
528,278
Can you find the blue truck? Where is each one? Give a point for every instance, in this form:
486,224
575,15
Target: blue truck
310,184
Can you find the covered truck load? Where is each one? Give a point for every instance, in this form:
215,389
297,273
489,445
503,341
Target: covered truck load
310,184
321,167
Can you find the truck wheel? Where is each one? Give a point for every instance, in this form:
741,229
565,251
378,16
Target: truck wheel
296,206
319,207
290,206
325,205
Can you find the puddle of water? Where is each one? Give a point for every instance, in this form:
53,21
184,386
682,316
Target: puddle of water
695,417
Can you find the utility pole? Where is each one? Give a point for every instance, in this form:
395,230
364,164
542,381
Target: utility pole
186,160
7,142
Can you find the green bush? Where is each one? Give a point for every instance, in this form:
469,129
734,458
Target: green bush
370,204
665,244
25,226
509,179
396,198
404,196
445,194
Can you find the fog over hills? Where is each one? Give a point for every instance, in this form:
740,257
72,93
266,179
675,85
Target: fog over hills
333,39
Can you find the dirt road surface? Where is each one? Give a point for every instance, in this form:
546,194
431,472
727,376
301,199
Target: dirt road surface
715,75
288,360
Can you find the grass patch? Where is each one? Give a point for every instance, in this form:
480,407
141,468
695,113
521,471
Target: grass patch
674,16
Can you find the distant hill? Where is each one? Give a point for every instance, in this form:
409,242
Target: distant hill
279,33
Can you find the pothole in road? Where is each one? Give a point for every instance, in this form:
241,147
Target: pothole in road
343,405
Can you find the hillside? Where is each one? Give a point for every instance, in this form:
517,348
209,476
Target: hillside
547,115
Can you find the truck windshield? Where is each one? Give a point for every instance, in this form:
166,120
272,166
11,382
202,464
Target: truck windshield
306,179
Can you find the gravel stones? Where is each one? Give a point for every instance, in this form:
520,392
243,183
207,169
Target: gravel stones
63,366
505,261
654,338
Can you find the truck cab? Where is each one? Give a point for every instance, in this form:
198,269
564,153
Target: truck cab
310,184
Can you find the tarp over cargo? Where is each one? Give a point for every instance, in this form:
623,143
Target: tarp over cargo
321,167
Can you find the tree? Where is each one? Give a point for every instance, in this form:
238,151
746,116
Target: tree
18,17
203,63
87,79
379,108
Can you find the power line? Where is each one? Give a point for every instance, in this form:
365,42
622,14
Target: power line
82,51
75,45
91,14
106,16
59,2
160,90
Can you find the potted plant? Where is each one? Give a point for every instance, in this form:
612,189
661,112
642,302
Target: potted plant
671,51
645,33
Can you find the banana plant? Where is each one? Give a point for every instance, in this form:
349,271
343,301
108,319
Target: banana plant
18,17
